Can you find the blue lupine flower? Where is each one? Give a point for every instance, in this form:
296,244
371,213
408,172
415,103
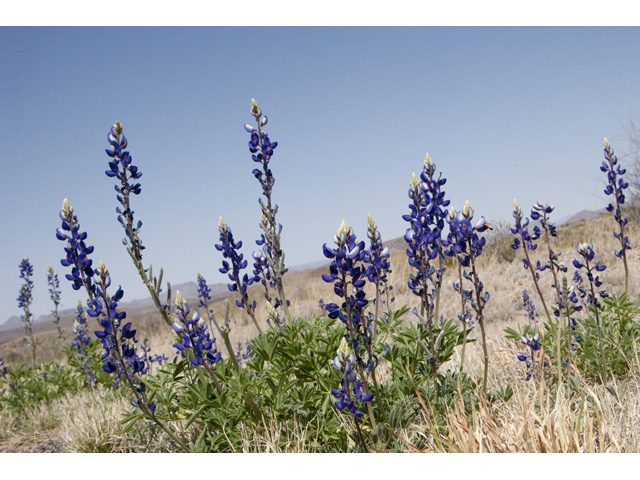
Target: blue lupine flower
194,335
616,187
464,242
585,250
239,284
529,306
80,342
343,362
121,168
522,230
54,294
348,273
77,251
3,368
587,253
25,297
262,149
424,237
378,259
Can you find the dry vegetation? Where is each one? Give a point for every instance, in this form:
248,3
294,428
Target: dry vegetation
532,421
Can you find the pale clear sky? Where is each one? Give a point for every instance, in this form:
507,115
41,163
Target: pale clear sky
503,112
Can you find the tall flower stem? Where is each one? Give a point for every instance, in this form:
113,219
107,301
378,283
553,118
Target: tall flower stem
463,317
481,321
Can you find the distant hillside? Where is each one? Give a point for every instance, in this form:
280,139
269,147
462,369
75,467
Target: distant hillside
188,290
581,216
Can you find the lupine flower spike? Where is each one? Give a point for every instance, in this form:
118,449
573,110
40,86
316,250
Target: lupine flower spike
54,294
427,217
522,230
454,249
585,250
463,240
347,272
541,213
343,362
262,150
229,247
120,167
204,294
616,187
192,337
378,259
25,298
80,342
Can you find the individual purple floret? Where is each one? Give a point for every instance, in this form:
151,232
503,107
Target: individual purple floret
3,368
616,187
529,357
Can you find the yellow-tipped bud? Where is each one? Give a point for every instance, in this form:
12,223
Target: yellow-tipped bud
606,143
427,161
370,223
67,209
343,228
79,304
466,210
343,349
50,269
222,223
255,109
117,127
452,212
516,207
271,312
414,181
102,269
179,299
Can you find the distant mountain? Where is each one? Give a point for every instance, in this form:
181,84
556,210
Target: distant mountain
188,290
581,216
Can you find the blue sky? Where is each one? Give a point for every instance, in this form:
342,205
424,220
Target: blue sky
503,112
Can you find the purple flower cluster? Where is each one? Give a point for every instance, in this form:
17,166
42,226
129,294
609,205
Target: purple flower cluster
193,335
77,251
343,362
378,259
347,269
529,307
271,263
80,342
585,250
426,217
121,168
